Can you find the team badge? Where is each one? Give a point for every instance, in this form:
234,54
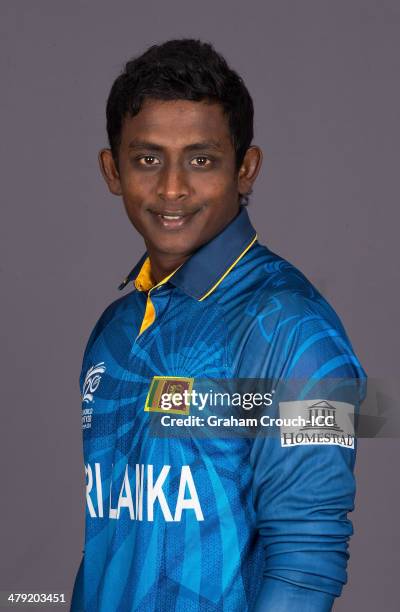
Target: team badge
169,394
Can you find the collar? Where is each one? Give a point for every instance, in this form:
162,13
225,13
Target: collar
201,274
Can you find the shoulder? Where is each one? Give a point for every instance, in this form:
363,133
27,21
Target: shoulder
289,324
113,310
280,291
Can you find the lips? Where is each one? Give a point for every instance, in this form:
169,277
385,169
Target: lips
169,219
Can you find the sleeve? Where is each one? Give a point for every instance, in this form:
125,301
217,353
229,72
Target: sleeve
99,326
303,491
280,596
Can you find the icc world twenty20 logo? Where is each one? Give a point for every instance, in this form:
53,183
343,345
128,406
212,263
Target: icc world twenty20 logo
92,381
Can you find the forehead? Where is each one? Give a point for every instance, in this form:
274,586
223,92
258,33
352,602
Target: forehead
177,123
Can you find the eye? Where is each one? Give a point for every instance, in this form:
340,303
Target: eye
148,160
201,161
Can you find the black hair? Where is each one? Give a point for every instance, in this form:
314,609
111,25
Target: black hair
182,69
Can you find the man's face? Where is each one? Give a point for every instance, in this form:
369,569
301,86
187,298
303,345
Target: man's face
177,174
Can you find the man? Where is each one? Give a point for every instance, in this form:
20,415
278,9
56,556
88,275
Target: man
254,523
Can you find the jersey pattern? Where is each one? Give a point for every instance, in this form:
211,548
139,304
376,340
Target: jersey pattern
195,525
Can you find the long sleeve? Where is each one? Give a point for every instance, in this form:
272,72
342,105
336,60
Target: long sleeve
304,491
280,596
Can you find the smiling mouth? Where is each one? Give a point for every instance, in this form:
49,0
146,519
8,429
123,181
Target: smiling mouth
173,219
171,216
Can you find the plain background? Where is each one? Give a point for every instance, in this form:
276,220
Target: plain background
324,76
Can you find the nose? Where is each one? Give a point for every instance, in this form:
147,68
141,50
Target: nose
173,184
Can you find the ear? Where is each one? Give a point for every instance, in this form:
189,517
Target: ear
249,169
109,171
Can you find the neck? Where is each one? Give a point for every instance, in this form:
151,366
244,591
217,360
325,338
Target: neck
163,265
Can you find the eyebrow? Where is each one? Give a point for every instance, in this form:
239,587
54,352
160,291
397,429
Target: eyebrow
195,146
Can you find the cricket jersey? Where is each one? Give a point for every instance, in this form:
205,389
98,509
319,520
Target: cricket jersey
217,523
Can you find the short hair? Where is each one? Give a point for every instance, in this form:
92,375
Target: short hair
181,69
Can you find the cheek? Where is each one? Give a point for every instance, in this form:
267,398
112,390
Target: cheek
135,189
215,187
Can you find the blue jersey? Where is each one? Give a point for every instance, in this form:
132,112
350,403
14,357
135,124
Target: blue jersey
216,523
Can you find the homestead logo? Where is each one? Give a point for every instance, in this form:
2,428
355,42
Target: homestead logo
324,423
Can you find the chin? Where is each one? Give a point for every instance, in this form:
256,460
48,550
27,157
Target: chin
176,250
177,247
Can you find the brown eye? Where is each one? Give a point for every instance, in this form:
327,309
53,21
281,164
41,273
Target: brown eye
148,160
201,160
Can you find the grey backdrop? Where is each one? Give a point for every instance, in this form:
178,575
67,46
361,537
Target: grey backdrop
325,80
